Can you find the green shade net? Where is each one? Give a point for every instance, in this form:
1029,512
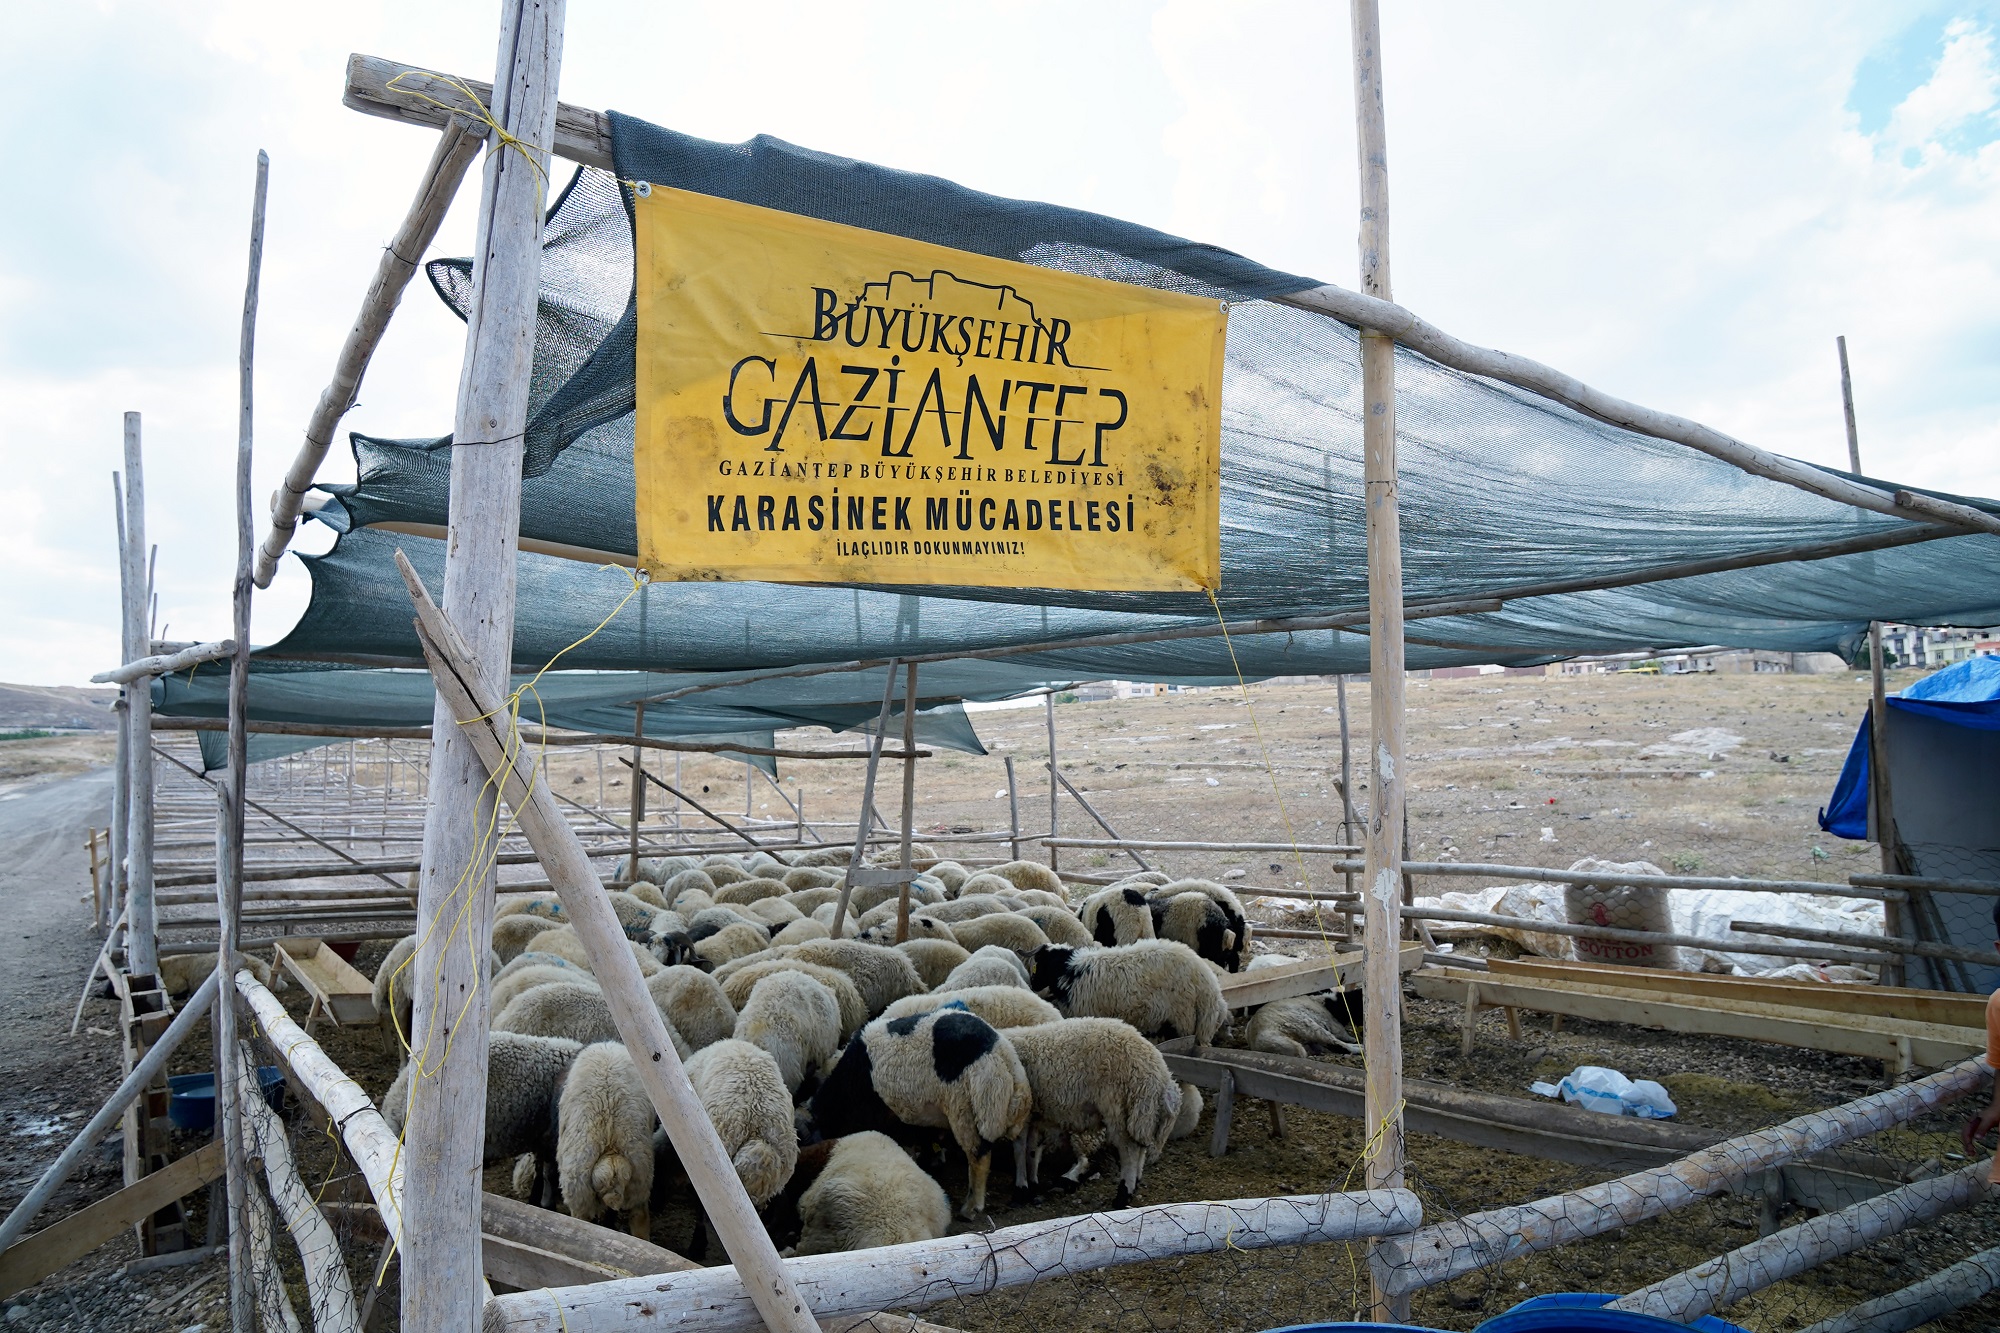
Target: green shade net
1502,495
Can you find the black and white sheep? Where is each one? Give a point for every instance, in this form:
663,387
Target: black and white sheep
1117,915
1002,1006
923,926
604,1138
945,1069
1219,932
858,1193
1160,987
934,959
694,1004
797,1021
882,975
744,1094
1097,1073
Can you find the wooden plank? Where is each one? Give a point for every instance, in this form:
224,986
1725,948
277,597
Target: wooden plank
1892,1040
1922,1006
27,1262
524,1227
1308,976
342,991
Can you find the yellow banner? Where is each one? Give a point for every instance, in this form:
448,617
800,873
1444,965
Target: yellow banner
823,404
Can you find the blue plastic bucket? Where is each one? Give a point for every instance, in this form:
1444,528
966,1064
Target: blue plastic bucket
1582,1312
191,1105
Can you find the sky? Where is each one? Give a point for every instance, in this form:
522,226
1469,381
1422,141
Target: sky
1680,204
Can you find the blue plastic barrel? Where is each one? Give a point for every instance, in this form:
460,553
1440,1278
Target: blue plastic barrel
192,1103
1351,1328
1582,1312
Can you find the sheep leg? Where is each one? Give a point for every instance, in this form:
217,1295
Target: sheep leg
548,1180
976,1168
639,1221
697,1247
1131,1162
1023,1147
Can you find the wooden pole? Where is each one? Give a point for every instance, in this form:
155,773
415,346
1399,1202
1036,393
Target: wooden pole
909,797
1348,820
1055,788
141,938
1381,898
862,822
639,775
327,1282
229,815
1091,810
1879,810
165,664
483,721
1013,812
443,1288
121,780
456,147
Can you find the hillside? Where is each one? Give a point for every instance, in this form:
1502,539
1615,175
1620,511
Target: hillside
56,706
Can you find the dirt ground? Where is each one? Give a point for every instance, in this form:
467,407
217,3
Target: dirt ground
1493,762
40,758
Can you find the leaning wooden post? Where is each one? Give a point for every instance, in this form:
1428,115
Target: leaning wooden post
442,1282
1348,821
485,724
1013,813
638,787
909,797
1381,897
862,825
121,771
141,943
230,794
1878,718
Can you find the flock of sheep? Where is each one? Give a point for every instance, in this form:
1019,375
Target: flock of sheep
829,1066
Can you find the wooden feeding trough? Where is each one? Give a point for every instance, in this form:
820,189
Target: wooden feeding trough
337,989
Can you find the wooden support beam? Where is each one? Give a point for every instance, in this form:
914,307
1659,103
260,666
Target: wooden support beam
1896,1040
1855,940
526,1248
1728,1278
1922,1006
165,664
1452,1249
55,1247
473,703
141,940
1245,990
1154,845
530,733
921,1273
1919,1303
379,87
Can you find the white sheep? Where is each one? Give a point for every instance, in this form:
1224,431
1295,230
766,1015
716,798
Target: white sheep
1002,1006
798,932
544,905
805,879
934,959
1008,930
858,1193
882,975
1160,987
1117,915
740,981
716,916
950,874
1059,924
991,966
1097,1073
180,973
604,1138
968,906
566,944
524,1079
694,1004
1304,1025
573,1009
824,856
1031,875
723,872
823,914
746,891
512,935
511,986
691,880
812,899
647,892
395,990
945,1069
776,913
744,1094
736,940
985,884
797,1020
533,959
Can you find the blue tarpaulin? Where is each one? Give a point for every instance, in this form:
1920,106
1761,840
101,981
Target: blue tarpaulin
1963,695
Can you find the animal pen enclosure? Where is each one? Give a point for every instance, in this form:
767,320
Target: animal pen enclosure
1540,518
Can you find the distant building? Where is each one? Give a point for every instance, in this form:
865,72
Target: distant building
1929,647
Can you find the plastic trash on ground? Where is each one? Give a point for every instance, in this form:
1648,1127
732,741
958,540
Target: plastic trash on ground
1596,1088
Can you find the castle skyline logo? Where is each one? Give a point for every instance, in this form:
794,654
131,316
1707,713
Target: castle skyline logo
942,315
